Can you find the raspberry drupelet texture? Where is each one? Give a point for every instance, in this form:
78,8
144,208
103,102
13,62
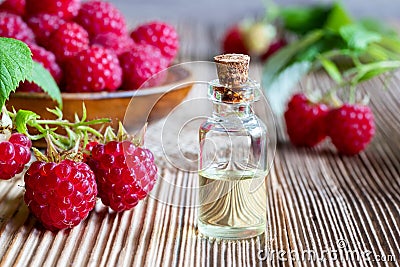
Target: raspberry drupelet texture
158,34
117,44
60,195
14,155
141,63
68,40
65,9
351,128
12,26
92,70
16,7
99,17
305,121
43,25
124,173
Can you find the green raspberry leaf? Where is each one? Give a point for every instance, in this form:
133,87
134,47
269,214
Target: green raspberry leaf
357,37
15,66
43,78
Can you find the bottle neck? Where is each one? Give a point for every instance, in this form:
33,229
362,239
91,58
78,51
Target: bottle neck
222,110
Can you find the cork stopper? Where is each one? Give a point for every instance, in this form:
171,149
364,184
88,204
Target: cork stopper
232,69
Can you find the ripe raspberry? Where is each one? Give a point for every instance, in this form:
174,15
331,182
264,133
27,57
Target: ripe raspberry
14,154
273,48
12,26
16,7
305,121
43,25
68,40
351,128
233,41
159,34
92,70
65,9
60,195
99,17
48,61
140,64
117,44
124,173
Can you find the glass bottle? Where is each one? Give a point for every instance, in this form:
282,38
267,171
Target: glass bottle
233,156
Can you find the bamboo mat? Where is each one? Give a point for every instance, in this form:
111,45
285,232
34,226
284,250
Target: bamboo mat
318,203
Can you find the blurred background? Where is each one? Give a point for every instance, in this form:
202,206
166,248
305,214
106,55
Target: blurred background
227,11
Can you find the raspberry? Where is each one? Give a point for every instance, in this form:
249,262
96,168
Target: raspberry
273,48
92,70
12,26
233,41
99,17
124,173
16,7
140,64
117,44
305,121
65,9
68,40
43,25
48,60
60,195
159,34
351,128
14,154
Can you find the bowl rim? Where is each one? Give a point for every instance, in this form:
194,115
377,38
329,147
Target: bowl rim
184,78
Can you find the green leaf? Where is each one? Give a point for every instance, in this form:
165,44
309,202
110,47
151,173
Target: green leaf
279,90
331,68
277,62
357,37
337,18
24,118
15,66
43,78
378,26
302,20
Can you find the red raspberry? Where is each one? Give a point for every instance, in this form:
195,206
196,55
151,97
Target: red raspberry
60,195
92,70
43,25
48,61
117,44
273,48
68,40
305,121
140,64
16,7
159,34
351,128
233,41
65,9
124,173
12,26
14,154
99,17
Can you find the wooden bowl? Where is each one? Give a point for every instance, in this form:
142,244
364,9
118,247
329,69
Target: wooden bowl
150,104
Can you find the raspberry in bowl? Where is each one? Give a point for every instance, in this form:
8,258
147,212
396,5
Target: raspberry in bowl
103,64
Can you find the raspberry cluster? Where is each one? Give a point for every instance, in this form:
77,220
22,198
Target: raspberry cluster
70,29
61,194
124,173
14,155
350,127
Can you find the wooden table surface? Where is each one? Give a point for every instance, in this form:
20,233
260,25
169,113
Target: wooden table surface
323,208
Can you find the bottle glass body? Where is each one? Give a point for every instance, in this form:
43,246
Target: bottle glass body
232,170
